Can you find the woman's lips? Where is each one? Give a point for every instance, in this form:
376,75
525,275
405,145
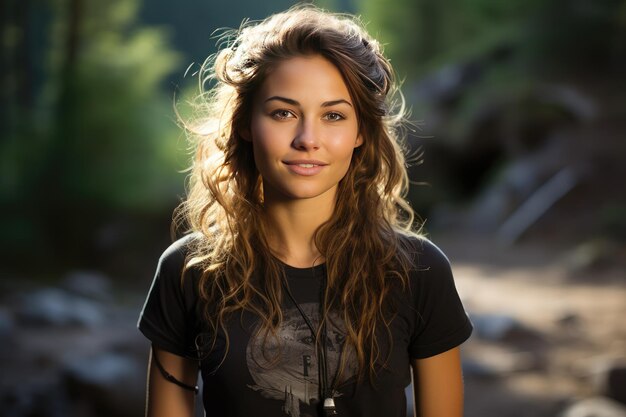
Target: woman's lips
305,167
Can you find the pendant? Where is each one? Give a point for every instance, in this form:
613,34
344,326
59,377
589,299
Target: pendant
329,407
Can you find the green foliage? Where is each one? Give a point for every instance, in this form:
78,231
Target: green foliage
612,220
100,142
421,35
115,132
125,137
505,48
328,4
474,70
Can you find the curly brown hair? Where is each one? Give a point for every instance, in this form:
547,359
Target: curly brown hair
362,246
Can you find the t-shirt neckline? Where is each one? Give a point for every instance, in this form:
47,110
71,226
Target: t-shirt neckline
316,271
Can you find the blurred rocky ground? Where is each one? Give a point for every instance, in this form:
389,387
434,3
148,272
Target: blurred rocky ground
539,248
71,349
549,337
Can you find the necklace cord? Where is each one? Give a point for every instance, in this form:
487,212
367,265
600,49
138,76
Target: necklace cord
322,365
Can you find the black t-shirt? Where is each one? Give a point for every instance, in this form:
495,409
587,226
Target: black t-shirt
281,377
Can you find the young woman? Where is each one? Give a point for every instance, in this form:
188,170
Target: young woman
301,289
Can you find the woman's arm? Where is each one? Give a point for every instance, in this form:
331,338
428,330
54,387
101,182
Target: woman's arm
163,398
438,383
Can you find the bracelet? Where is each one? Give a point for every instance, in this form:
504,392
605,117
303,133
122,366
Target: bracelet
171,377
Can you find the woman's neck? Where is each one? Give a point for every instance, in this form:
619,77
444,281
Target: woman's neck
291,227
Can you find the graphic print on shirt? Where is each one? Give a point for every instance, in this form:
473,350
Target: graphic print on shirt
294,377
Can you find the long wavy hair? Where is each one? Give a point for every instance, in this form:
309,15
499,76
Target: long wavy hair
362,243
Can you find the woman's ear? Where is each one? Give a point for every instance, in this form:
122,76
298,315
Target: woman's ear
245,134
359,141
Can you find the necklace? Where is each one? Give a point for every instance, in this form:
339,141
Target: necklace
326,390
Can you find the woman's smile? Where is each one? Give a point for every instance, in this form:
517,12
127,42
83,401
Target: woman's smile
305,167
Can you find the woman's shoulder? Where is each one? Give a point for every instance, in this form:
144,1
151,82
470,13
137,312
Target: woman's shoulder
423,251
175,254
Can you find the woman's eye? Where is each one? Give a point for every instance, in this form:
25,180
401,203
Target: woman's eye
333,117
282,114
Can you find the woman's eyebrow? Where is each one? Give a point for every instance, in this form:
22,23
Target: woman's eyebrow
334,102
285,99
296,103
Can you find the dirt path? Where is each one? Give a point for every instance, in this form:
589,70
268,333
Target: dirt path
578,317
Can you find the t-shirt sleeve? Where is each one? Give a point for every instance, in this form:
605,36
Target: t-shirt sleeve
167,318
441,321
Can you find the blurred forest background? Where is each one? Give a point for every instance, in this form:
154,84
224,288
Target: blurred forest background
520,115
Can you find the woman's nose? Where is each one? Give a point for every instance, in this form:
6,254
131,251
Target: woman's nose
307,137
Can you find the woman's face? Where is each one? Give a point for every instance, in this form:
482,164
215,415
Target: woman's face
303,129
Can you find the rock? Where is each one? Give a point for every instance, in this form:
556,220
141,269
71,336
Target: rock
590,255
492,363
7,333
7,324
44,397
89,284
110,384
493,326
609,379
568,319
503,328
616,383
595,407
447,84
477,369
55,307
518,181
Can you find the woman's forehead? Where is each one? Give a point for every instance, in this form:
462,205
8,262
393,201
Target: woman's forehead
305,79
